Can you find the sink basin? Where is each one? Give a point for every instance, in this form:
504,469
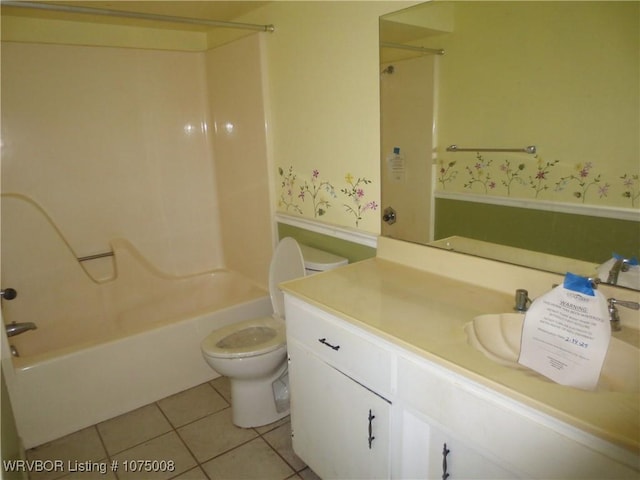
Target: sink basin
498,337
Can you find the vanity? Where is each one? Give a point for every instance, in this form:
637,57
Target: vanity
385,384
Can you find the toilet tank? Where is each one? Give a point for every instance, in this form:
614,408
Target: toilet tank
319,261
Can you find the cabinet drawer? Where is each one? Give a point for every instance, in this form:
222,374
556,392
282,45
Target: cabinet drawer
340,344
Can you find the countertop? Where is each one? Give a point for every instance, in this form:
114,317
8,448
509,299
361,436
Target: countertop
425,313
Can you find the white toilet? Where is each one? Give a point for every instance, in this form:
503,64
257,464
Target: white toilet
253,353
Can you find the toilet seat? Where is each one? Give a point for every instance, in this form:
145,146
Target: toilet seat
246,339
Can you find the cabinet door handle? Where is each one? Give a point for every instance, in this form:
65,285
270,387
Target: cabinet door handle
324,341
445,452
371,437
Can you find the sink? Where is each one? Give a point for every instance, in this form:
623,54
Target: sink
498,337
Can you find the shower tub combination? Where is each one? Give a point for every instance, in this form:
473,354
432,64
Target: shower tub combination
106,347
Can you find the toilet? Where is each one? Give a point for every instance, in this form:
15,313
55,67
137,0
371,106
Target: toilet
253,353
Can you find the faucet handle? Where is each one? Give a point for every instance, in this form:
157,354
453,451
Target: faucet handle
624,303
522,300
8,293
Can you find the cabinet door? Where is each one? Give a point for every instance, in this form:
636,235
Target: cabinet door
427,452
340,428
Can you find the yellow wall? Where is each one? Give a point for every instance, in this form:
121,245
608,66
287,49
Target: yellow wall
563,76
323,67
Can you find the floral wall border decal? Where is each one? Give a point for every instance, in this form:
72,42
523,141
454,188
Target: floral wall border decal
509,178
322,194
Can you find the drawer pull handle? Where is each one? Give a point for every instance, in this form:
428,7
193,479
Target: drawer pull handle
324,341
371,437
445,452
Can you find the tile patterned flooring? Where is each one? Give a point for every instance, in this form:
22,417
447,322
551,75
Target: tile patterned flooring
193,429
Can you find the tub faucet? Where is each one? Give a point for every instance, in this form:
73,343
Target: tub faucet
620,265
613,312
17,328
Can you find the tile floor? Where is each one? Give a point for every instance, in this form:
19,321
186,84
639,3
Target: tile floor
193,429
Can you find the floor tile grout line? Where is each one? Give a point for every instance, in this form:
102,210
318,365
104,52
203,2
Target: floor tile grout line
175,430
171,425
217,455
280,455
106,451
260,435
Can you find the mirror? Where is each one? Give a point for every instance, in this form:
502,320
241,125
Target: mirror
541,100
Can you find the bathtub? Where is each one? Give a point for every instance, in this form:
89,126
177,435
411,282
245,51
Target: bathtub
107,347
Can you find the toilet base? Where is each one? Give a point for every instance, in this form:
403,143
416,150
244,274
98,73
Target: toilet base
253,403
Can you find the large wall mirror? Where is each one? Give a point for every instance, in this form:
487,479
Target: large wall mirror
511,129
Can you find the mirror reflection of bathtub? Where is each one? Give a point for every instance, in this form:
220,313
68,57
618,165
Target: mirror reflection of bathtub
104,345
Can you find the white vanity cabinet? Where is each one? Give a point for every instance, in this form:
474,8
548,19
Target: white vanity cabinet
366,407
426,446
340,418
426,449
491,436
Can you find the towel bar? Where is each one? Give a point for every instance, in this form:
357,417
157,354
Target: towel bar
530,149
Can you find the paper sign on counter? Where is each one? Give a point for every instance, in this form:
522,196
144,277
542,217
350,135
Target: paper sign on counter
565,337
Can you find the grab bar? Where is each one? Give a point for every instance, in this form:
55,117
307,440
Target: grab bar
531,149
93,257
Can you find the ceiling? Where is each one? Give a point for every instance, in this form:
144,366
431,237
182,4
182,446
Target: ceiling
209,10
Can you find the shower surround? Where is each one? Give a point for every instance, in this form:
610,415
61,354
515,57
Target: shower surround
141,144
166,149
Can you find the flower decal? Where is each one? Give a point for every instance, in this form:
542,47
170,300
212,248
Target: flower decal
480,174
316,190
584,178
354,191
446,173
631,190
539,181
511,175
287,186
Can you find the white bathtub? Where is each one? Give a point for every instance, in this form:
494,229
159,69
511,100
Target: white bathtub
117,345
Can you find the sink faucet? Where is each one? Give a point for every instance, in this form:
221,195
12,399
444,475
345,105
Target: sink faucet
522,300
620,265
613,312
17,328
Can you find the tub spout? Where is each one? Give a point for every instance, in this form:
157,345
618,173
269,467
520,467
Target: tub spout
17,328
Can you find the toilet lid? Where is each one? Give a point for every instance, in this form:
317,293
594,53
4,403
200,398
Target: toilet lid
286,264
246,339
